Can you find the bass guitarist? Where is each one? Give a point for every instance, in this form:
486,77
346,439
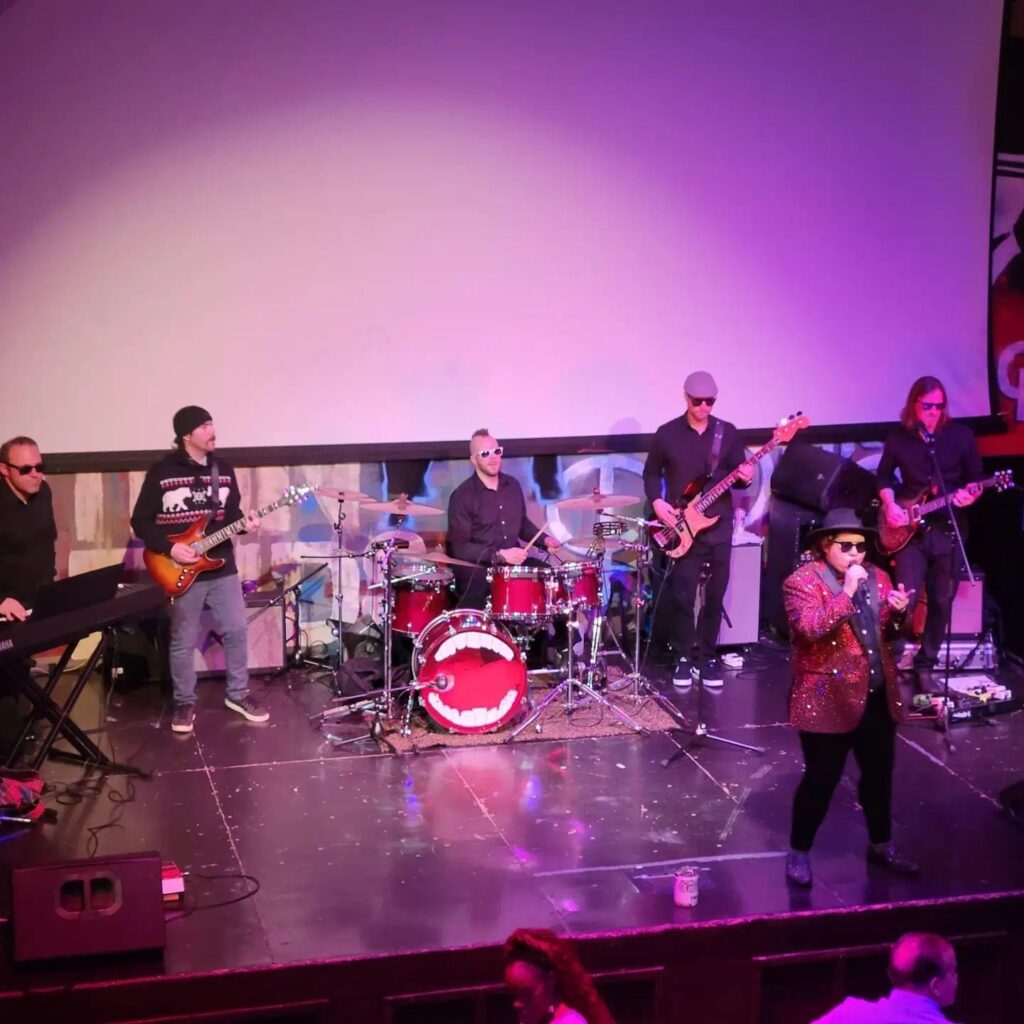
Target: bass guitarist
185,486
929,561
690,446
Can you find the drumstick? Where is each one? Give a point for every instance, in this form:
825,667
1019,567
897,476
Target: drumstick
533,539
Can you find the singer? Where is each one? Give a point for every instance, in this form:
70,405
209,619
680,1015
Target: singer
845,696
929,562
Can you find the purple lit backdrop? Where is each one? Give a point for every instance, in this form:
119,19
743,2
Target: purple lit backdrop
339,223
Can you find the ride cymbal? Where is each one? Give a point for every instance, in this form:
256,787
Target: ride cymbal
339,495
401,506
595,501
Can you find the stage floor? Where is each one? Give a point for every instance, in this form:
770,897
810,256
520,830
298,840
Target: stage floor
357,852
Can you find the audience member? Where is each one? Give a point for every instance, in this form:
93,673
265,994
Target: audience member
547,982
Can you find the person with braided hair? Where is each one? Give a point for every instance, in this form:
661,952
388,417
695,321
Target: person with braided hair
547,982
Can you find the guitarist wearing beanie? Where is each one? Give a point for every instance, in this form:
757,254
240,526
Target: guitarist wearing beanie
187,485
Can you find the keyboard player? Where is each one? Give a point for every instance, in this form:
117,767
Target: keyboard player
28,559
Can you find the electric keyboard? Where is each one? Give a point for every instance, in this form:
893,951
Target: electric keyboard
23,639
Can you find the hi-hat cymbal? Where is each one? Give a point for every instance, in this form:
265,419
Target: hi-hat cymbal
595,501
338,495
401,506
434,557
585,540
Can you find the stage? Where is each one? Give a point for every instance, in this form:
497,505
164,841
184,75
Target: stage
386,884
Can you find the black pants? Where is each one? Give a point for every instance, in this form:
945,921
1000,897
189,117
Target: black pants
927,565
689,633
873,743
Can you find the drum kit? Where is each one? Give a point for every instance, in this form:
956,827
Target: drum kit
468,665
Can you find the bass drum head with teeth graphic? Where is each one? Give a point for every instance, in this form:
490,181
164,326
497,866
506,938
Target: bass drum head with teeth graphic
483,672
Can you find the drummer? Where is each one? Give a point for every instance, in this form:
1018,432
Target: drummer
487,521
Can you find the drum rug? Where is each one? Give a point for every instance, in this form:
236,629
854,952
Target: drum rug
588,718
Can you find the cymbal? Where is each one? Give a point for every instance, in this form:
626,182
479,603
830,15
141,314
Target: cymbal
337,495
401,506
434,557
596,501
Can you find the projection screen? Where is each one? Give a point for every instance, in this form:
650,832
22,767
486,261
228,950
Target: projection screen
340,222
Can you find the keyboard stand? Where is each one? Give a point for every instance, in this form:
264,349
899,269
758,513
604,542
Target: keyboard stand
59,715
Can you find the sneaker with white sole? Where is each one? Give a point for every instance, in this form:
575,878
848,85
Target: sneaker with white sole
710,672
682,674
183,718
248,707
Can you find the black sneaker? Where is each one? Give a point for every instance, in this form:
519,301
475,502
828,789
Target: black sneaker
248,707
711,673
682,674
184,718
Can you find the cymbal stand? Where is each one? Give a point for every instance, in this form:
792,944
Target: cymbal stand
641,686
700,731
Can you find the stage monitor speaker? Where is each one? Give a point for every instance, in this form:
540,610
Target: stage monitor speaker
82,907
266,633
818,479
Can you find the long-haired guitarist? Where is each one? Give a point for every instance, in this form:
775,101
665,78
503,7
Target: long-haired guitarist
928,562
187,486
691,446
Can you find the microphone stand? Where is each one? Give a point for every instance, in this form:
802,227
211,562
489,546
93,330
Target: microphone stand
944,722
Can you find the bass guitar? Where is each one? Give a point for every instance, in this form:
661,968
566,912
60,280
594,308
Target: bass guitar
176,578
675,539
892,538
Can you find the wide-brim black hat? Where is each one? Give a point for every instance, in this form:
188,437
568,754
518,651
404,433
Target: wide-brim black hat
840,520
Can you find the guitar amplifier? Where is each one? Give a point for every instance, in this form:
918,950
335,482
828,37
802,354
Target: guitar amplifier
266,636
741,623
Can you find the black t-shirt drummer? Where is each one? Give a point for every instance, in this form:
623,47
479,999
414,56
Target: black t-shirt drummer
486,521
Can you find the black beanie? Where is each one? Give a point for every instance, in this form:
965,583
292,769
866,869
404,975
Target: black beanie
187,419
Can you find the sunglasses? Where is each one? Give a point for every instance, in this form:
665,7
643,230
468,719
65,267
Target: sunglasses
486,453
702,401
928,406
846,546
25,470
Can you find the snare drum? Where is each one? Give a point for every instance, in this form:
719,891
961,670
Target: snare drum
479,671
520,593
579,586
418,602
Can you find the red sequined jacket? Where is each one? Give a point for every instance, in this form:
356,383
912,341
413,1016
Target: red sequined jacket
830,666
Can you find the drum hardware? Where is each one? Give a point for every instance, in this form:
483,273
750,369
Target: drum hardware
577,590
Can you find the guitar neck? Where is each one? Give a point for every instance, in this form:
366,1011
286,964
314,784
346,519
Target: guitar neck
211,540
936,503
710,497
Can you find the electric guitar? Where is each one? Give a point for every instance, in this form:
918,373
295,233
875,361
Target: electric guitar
676,539
176,578
892,538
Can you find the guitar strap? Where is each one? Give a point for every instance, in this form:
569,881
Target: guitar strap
716,447
214,485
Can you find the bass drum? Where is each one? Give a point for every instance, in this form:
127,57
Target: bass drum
477,668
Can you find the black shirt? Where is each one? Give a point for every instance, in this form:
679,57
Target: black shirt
678,454
177,493
481,522
28,543
906,451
